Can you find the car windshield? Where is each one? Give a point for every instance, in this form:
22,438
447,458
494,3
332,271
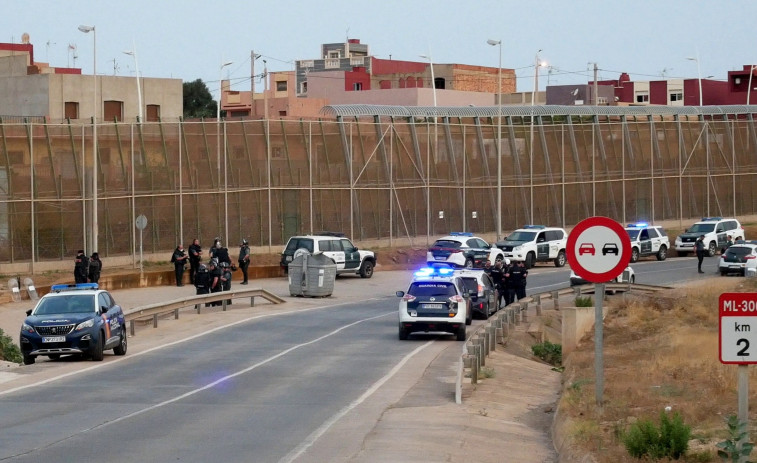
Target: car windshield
75,303
738,251
297,243
447,244
471,284
633,233
425,289
521,236
702,228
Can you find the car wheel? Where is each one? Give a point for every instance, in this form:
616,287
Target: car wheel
460,335
560,260
29,359
366,270
97,351
120,349
402,333
468,263
530,259
662,254
712,249
634,255
633,279
722,273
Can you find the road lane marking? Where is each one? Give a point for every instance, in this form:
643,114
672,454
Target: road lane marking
328,424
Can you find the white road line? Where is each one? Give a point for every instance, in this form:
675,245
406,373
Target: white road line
315,435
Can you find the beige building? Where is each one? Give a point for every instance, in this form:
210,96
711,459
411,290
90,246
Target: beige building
277,100
29,89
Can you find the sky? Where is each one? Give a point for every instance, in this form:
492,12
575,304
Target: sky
190,39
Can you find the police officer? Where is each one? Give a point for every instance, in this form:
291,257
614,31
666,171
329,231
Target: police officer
195,256
518,275
202,279
244,259
507,283
498,278
699,247
95,267
216,285
226,279
81,267
179,259
221,253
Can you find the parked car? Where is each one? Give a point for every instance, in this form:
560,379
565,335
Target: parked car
537,243
628,276
73,319
483,295
715,231
739,258
462,249
347,257
647,240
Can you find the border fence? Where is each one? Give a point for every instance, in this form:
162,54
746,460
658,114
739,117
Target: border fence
373,172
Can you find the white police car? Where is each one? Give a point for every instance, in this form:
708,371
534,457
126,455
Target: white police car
536,243
647,240
73,319
435,301
715,230
462,249
739,258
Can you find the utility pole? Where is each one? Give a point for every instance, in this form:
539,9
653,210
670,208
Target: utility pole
265,89
252,83
596,86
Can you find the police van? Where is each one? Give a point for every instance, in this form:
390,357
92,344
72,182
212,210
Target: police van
436,300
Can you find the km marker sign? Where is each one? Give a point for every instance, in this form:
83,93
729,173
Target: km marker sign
738,315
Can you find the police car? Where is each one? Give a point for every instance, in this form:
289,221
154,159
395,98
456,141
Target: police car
483,295
715,231
647,240
347,257
628,276
73,319
536,243
435,301
739,258
462,249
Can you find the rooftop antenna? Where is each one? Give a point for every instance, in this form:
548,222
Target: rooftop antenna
47,50
665,71
116,68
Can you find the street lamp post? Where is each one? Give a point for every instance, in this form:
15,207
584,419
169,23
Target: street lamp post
218,118
93,220
538,63
749,90
428,159
499,138
133,53
699,77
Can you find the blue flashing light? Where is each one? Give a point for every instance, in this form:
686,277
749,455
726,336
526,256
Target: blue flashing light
74,287
461,234
434,271
638,224
534,227
711,219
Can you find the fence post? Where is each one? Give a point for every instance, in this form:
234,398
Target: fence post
155,320
537,299
524,311
252,301
556,299
131,327
197,308
176,314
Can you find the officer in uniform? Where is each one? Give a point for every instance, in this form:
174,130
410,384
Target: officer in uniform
497,274
244,259
518,275
195,256
508,284
95,267
81,267
202,280
221,253
226,279
179,259
216,286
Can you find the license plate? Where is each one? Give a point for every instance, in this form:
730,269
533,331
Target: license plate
54,339
433,306
736,266
441,258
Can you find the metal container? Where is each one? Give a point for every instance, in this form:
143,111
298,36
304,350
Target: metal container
311,275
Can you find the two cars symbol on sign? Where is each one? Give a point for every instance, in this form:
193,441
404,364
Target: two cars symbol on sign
591,235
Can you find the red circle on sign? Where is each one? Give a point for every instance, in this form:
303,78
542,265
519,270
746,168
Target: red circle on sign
625,249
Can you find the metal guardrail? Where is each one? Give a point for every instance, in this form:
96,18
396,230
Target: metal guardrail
154,311
496,329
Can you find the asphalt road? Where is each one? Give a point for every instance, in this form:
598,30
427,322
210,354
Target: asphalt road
265,388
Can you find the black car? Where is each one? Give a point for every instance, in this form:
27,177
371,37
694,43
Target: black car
73,319
483,295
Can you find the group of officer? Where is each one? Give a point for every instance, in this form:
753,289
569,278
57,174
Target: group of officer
215,275
509,279
87,269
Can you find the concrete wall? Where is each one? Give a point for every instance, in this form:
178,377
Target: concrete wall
576,322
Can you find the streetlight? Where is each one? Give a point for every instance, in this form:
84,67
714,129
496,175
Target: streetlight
749,90
93,230
539,63
218,116
699,77
133,53
428,159
499,137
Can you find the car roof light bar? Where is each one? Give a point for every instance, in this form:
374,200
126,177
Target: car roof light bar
534,227
461,234
711,219
74,287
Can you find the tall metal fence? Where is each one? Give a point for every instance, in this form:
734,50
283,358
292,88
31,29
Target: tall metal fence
371,172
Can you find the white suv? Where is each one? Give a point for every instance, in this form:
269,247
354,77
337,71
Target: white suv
536,243
462,249
347,257
715,230
647,240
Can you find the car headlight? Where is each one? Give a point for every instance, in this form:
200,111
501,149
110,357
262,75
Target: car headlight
26,327
87,324
518,248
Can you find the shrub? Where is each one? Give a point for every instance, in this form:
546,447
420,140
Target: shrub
550,353
669,440
737,445
9,351
584,301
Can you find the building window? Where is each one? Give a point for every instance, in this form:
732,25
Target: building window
71,110
153,113
642,97
306,64
277,152
281,85
676,97
357,86
356,61
303,87
113,111
333,53
282,113
331,63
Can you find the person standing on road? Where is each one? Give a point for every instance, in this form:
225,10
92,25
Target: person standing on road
507,283
195,256
699,247
244,259
216,285
727,245
226,279
81,267
202,280
179,259
95,267
498,278
518,275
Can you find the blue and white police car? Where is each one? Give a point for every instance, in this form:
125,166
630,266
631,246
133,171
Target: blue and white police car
435,302
73,319
462,249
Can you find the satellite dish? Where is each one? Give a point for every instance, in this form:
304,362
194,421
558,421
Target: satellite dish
24,38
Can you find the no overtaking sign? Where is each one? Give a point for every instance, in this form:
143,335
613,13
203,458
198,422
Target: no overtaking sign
598,249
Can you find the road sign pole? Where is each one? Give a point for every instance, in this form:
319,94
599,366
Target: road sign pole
599,381
743,401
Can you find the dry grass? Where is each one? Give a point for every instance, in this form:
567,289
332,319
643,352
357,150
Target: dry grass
658,352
